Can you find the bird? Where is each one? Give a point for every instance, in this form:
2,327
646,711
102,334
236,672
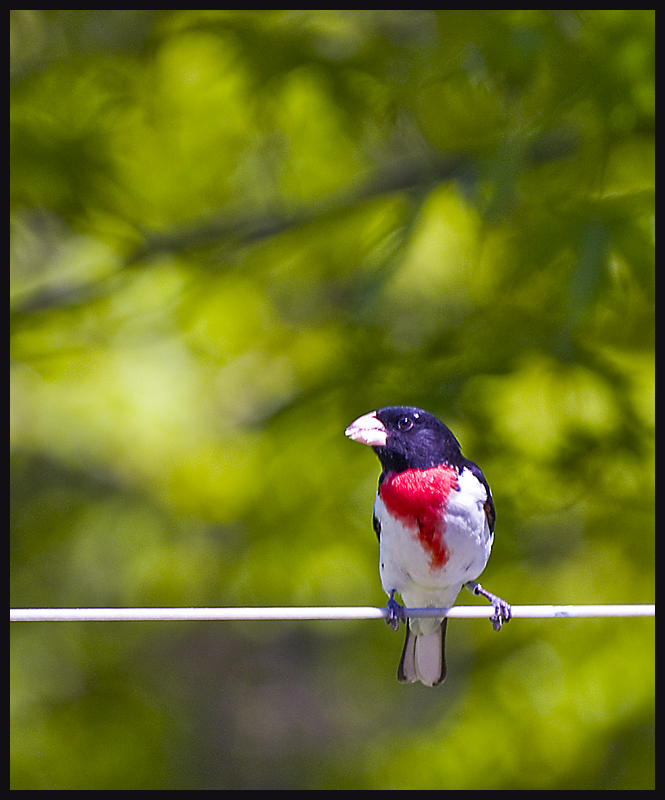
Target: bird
434,518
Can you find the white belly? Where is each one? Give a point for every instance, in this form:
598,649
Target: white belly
406,566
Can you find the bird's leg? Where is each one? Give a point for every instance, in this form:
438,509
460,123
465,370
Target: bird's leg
502,612
396,613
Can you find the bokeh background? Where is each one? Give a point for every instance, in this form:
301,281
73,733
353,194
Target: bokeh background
231,234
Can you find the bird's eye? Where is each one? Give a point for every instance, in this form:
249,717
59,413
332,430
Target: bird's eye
405,424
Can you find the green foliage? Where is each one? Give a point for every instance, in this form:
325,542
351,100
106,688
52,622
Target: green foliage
232,233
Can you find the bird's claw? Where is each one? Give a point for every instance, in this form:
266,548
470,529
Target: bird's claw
502,611
396,613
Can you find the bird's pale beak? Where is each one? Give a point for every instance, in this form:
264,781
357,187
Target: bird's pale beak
368,429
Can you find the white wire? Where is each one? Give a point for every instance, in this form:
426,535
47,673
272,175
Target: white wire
316,612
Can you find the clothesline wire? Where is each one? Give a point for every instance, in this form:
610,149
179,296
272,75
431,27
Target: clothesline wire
275,613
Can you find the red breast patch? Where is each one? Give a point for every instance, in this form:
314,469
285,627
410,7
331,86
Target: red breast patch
418,497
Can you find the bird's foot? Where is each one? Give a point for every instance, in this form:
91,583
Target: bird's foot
502,612
396,613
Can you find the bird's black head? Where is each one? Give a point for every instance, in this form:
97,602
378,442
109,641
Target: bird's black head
404,437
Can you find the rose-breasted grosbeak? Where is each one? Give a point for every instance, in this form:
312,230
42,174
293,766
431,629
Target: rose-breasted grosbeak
434,518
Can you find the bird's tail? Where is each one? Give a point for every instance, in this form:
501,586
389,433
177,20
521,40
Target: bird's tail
424,656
